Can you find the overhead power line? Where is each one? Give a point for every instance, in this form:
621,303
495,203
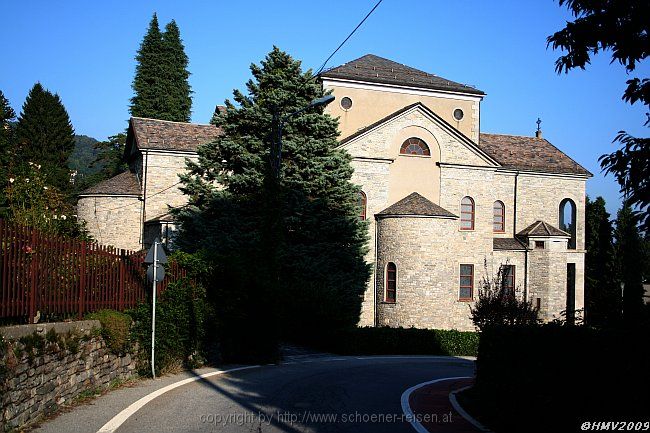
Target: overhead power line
346,39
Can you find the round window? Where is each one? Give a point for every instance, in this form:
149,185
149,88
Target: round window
346,103
458,114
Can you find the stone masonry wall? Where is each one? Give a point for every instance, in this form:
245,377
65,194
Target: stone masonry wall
162,190
113,220
427,253
38,383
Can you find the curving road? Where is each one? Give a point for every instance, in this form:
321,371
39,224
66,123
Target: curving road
310,395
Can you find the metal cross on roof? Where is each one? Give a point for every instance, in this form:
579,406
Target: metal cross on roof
539,122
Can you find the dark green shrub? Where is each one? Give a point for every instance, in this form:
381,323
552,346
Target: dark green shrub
572,372
116,329
33,344
51,336
182,315
400,341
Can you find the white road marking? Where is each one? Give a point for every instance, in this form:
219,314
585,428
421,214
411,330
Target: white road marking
121,417
406,407
114,423
463,413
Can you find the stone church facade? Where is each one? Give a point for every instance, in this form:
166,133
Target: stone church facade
447,205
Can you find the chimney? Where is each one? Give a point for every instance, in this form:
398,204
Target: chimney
538,133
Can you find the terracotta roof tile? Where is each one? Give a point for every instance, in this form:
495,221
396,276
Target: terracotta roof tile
507,244
415,204
375,69
541,228
166,135
529,154
123,184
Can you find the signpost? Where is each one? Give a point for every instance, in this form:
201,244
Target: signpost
155,258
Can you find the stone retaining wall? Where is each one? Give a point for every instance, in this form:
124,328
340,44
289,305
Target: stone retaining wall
43,371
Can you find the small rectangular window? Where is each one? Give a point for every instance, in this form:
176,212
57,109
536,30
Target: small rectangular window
391,282
508,279
466,282
540,245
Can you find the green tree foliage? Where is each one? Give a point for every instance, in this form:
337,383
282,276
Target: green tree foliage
621,27
148,91
7,117
631,262
33,202
44,136
161,86
602,287
178,96
98,160
315,248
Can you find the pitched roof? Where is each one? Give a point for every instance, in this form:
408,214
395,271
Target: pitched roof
541,228
453,131
165,217
529,154
167,135
415,204
375,69
123,184
507,244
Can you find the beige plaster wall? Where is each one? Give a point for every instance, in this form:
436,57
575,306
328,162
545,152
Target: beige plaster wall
371,105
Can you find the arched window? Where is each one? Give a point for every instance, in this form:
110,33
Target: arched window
391,282
362,203
467,213
414,146
568,220
499,221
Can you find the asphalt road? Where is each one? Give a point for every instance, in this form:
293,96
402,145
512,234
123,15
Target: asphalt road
319,395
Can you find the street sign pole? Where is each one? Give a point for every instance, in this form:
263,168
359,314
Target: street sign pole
155,256
153,314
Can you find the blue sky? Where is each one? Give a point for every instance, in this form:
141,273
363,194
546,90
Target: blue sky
85,52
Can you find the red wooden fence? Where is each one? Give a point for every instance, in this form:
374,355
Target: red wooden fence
57,277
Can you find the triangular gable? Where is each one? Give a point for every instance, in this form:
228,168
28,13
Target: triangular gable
427,112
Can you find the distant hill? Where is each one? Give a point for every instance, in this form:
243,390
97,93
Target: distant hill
83,155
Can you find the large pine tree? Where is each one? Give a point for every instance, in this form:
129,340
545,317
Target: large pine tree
7,117
44,136
149,92
161,85
178,98
320,245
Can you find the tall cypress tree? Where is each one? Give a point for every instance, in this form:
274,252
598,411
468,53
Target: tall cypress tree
602,287
7,117
178,91
44,135
321,242
148,100
161,85
630,260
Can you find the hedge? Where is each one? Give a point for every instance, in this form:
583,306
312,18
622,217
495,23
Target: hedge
559,376
400,341
183,317
116,329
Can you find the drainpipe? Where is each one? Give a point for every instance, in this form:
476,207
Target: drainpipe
514,207
144,197
374,298
526,275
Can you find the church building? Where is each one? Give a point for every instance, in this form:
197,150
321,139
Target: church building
448,206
